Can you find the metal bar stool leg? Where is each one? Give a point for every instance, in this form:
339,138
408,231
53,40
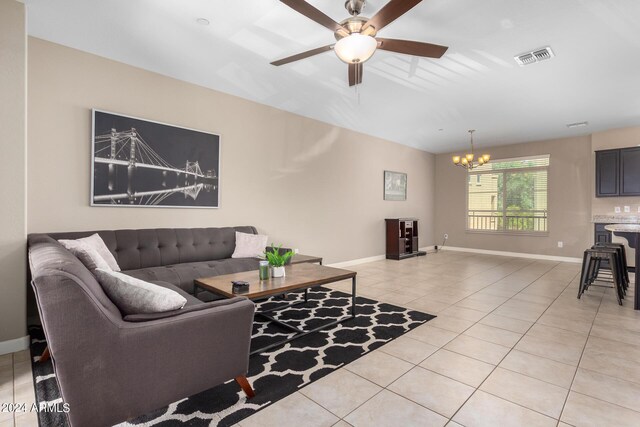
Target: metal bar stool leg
614,273
584,272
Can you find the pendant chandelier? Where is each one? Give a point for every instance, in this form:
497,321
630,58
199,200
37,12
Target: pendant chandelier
468,161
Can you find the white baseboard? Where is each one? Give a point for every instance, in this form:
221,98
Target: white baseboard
357,261
11,346
513,254
370,259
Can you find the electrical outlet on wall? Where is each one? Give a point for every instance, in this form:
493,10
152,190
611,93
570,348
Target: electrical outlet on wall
627,209
616,209
561,244
446,236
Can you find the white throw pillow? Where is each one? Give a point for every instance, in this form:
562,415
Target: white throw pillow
96,242
135,296
249,245
86,254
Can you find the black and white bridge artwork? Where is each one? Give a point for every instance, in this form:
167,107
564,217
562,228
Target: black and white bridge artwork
141,163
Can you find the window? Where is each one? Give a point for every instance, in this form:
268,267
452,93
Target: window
509,196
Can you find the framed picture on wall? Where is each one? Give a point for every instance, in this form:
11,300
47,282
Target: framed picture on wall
395,186
142,163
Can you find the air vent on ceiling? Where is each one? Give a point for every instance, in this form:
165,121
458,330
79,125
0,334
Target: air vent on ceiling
532,57
577,125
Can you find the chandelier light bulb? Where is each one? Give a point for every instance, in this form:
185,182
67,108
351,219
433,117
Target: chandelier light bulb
355,48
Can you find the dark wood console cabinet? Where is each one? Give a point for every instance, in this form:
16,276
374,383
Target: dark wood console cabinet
402,238
618,172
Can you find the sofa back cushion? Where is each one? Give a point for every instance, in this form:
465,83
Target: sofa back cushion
143,248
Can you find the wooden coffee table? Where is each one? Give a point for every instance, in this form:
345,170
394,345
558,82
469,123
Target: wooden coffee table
298,277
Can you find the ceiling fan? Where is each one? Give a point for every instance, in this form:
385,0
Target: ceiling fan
356,36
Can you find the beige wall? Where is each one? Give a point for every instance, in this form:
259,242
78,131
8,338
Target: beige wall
13,68
615,138
570,175
304,183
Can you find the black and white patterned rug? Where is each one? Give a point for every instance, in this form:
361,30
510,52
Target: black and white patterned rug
274,374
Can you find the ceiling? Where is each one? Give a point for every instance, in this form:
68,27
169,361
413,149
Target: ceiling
424,103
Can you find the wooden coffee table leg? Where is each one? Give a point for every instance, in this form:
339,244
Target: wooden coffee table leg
246,387
45,355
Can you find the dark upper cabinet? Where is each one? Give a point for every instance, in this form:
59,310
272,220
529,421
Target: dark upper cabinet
618,172
607,173
630,171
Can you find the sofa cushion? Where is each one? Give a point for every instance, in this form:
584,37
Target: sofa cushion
187,309
235,265
152,274
183,275
135,296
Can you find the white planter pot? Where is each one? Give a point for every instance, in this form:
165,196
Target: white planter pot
277,271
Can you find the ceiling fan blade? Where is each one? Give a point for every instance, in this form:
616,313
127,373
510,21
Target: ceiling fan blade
302,55
355,74
312,13
390,12
412,48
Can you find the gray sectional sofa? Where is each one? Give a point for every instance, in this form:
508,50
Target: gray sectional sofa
112,368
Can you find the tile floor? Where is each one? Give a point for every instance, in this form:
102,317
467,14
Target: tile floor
16,386
511,346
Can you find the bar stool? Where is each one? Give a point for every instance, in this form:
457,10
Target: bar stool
622,264
591,264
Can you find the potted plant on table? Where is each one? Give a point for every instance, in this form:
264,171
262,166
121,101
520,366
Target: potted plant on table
277,260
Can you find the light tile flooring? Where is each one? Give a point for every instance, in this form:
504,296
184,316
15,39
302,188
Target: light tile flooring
16,386
511,346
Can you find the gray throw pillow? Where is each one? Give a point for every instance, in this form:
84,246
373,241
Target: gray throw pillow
135,296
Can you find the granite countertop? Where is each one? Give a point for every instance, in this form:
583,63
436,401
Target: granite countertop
616,219
623,228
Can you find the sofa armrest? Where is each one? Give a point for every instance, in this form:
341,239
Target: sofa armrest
180,312
178,356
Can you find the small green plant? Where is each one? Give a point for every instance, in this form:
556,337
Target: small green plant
275,258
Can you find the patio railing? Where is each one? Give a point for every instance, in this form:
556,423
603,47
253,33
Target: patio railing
523,221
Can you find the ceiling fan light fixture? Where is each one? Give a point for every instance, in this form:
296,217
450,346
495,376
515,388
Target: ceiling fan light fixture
355,48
